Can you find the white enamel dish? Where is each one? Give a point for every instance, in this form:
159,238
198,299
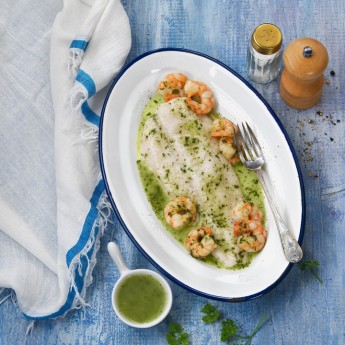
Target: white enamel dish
238,101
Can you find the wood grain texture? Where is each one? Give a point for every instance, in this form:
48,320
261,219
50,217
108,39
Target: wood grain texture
302,77
300,310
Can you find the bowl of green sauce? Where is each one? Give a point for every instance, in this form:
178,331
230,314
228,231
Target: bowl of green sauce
141,298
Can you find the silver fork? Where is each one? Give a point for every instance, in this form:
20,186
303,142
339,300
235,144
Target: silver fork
251,156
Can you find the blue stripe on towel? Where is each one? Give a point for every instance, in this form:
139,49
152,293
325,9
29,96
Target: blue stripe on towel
75,250
81,44
89,114
84,79
90,219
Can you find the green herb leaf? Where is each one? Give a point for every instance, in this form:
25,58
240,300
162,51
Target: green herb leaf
229,329
175,336
211,313
311,266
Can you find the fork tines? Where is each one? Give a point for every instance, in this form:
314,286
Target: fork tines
247,144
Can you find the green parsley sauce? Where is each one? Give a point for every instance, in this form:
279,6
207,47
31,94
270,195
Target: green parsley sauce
141,298
158,198
250,187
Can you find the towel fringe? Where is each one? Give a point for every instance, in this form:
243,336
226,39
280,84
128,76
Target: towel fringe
77,96
5,298
10,294
103,219
74,122
76,53
79,300
75,59
89,133
106,212
86,131
30,328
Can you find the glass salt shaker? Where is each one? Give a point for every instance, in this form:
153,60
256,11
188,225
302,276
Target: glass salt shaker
264,53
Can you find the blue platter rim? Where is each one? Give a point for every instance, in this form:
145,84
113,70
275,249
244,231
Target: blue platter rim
275,117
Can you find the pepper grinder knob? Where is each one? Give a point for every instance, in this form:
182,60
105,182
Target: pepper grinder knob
307,51
305,60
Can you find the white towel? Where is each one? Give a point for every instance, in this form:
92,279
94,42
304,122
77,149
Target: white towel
53,212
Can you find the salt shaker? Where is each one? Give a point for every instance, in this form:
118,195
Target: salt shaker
264,54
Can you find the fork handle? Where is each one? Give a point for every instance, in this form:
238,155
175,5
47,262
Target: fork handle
292,250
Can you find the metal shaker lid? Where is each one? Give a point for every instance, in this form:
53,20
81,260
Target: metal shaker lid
267,39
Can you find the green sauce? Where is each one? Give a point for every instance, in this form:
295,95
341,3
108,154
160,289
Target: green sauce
158,198
250,187
141,298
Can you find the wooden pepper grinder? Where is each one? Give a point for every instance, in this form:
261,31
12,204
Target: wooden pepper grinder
302,79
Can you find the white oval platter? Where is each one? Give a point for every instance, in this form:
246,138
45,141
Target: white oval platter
238,101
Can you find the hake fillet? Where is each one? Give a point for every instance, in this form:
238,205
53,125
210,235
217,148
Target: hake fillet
177,146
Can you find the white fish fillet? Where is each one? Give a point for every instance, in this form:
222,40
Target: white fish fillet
176,145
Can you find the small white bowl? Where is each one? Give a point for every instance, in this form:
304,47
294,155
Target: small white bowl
125,272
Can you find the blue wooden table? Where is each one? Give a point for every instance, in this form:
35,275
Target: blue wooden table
300,310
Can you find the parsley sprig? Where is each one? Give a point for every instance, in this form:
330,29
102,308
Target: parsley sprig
311,266
176,336
230,329
211,313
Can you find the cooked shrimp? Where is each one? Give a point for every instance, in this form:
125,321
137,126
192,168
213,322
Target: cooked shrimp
172,86
200,242
228,149
223,128
254,239
199,97
248,226
246,211
180,212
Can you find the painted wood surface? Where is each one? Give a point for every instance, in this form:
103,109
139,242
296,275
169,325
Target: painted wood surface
300,310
